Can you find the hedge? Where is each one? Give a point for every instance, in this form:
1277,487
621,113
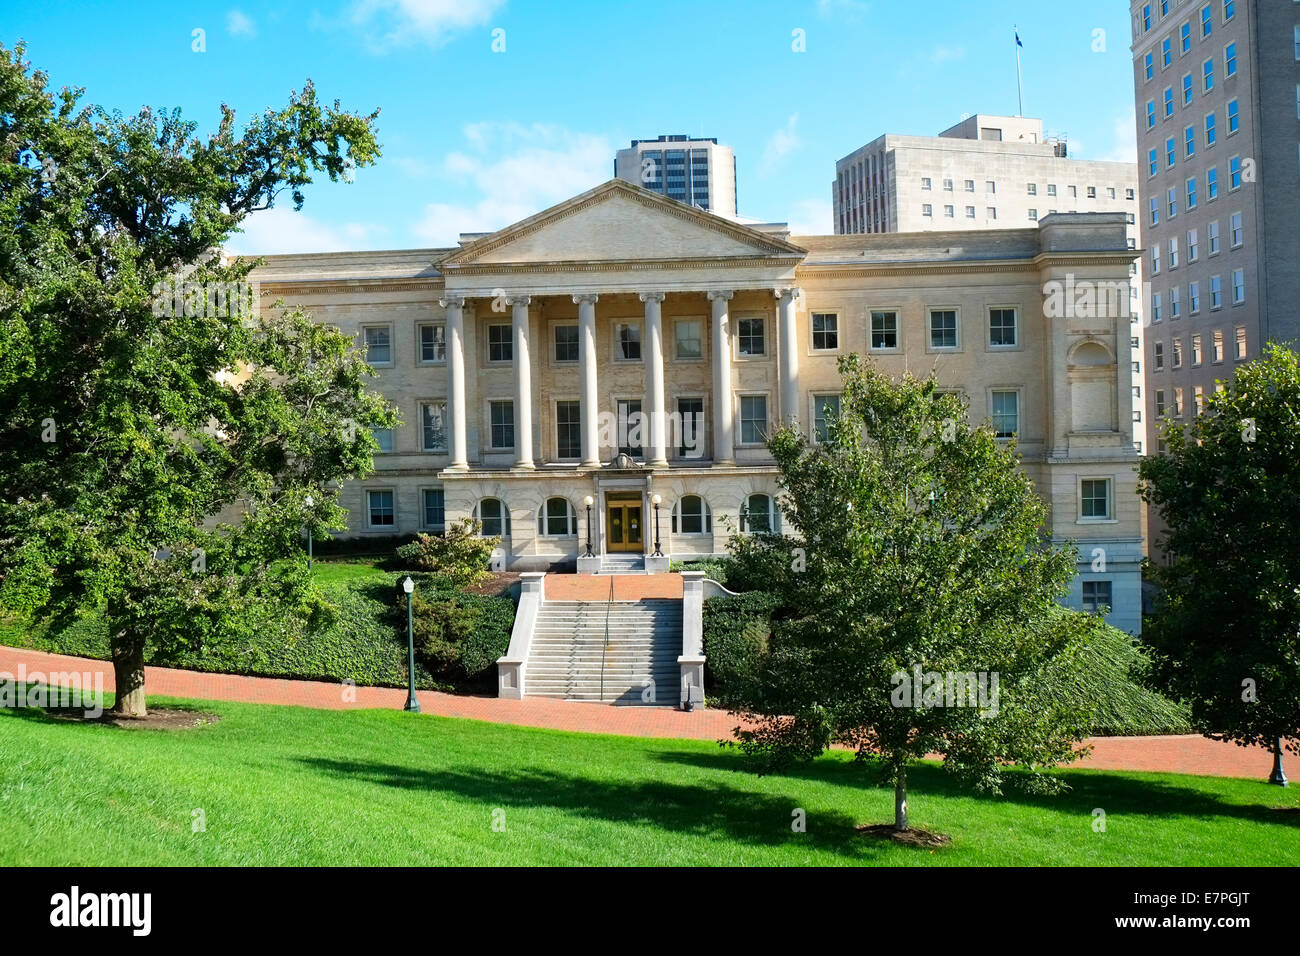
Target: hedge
736,630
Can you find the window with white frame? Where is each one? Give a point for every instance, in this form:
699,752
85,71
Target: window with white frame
1002,327
566,343
494,518
433,432
568,429
759,515
1096,596
1006,412
627,342
501,346
1238,286
690,415
826,408
688,339
501,424
753,419
1094,498
384,439
825,331
884,329
433,343
379,508
691,515
435,509
556,518
750,339
1239,343
943,328
378,340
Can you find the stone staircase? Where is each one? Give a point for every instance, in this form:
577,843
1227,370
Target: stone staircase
622,564
570,655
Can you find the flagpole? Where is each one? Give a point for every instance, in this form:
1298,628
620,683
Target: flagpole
1020,85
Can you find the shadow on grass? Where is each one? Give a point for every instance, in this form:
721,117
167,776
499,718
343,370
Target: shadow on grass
1114,790
693,810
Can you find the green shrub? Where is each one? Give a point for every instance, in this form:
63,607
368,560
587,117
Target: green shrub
716,569
736,631
458,636
460,554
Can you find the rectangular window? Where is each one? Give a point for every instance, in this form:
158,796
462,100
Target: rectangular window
1154,204
1234,172
1196,350
1211,133
566,343
384,439
825,331
568,429
433,434
1230,60
379,509
628,342
1238,287
1002,327
884,330
990,187
948,212
1156,314
1006,412
1193,250
1155,258
433,343
1158,356
1238,233
1229,9
1166,51
753,419
1212,184
1171,153
1146,17
1187,89
631,425
1217,346
1176,356
970,185
925,182
1160,402
1213,232
690,412
1173,252
1051,189
688,339
1096,596
502,421
943,329
749,338
378,340
1216,293
1198,398
1185,38
1151,114
1175,306
1240,346
1207,21
970,212
1169,102
1031,189
1234,120
1207,76
501,346
826,408
1194,297
1171,199
435,509
1096,497
927,209
1191,194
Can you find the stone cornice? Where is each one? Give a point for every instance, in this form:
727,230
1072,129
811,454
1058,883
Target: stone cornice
850,270
627,265
331,286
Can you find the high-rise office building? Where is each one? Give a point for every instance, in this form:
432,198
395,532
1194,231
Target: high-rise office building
1218,102
987,172
696,171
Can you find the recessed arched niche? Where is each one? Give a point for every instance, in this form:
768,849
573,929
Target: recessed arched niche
1092,387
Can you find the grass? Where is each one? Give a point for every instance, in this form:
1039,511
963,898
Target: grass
282,785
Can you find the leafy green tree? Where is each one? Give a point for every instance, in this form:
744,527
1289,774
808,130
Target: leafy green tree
1227,635
916,545
145,390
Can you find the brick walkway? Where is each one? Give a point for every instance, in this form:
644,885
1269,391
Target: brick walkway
627,587
1190,754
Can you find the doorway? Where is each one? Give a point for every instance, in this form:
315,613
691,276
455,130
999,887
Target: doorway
623,521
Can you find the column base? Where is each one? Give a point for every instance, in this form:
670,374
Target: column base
523,466
658,463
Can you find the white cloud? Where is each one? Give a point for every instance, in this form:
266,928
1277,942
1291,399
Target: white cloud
1124,131
780,144
947,54
239,24
811,217
393,23
280,230
515,171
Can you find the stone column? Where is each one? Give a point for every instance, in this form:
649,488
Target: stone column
723,439
455,417
523,383
587,377
791,407
654,378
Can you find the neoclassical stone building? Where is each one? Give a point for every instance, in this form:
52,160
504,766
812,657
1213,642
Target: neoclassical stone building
607,369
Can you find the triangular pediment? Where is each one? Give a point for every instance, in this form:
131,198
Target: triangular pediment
619,221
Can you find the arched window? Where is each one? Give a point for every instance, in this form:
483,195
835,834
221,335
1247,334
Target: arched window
691,515
494,517
760,514
557,519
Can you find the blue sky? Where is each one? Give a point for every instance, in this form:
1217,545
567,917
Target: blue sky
475,139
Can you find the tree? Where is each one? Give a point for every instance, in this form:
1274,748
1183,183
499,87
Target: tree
914,569
1228,489
145,389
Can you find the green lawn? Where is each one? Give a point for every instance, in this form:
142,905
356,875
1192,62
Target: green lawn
283,785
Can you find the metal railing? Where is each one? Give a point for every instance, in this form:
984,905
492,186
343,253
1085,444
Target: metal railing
609,606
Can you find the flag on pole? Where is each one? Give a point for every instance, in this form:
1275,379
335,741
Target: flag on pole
1018,43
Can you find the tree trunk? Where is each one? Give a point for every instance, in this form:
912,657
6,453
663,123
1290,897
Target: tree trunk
900,798
128,674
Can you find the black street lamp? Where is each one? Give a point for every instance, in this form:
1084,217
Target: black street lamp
309,502
1278,776
655,501
412,704
589,501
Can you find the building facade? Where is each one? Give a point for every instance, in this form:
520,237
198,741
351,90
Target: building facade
696,171
988,172
605,371
1218,129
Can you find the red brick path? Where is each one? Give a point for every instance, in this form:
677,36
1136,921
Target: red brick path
627,587
1189,754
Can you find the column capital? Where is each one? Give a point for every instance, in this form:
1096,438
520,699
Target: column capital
452,299
518,299
717,295
651,296
585,298
792,292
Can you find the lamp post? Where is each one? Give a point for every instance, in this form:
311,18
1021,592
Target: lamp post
655,500
1278,776
309,502
589,501
412,704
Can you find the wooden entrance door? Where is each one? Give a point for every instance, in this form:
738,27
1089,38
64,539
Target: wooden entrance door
623,519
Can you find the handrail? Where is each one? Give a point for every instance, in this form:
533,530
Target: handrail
609,606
